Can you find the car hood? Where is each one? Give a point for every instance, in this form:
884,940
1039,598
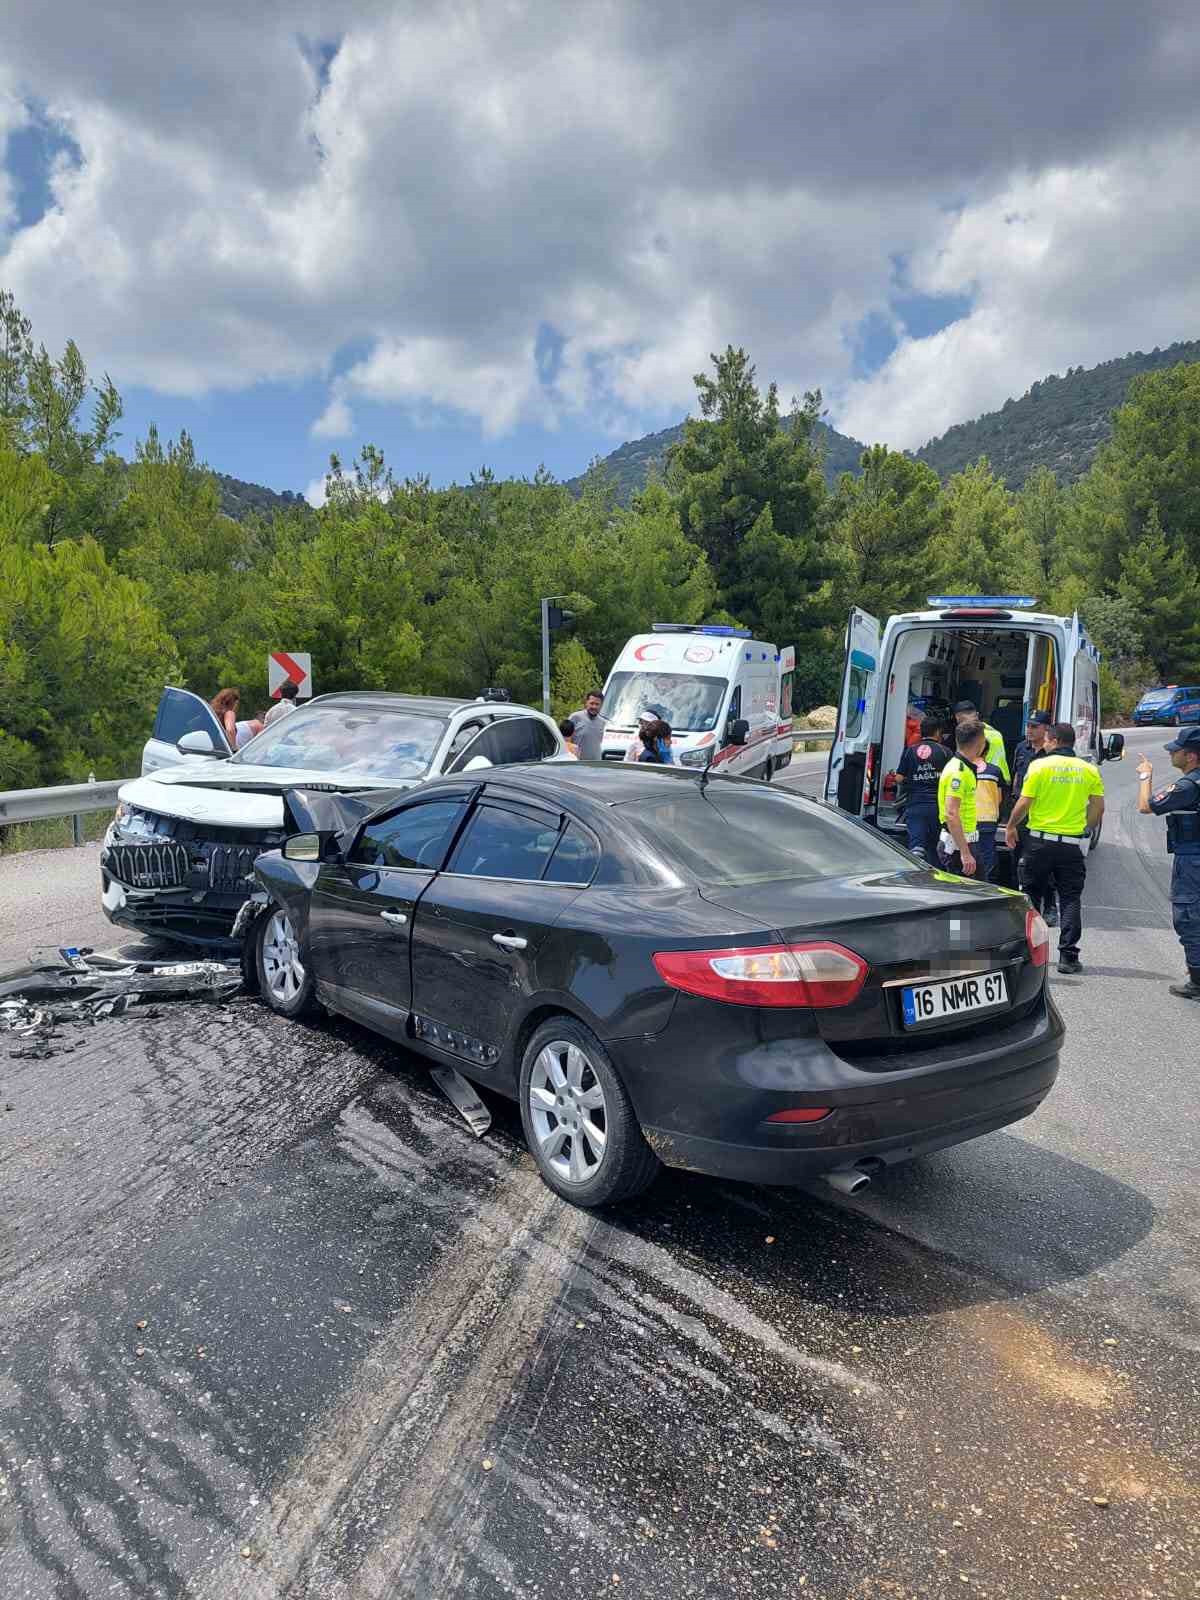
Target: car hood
241,796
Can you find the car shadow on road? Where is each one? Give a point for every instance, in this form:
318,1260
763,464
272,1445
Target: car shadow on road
960,1228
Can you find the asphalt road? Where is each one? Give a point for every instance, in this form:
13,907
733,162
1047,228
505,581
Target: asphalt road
273,1323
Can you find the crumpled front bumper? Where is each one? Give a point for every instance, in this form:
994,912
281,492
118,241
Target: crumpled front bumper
190,890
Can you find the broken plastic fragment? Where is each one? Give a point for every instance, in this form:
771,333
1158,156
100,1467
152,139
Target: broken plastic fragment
461,1095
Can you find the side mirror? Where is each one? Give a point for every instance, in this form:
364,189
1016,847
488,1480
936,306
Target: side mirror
302,847
739,731
311,847
1113,748
197,743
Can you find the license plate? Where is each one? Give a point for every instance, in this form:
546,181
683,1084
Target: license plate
939,1002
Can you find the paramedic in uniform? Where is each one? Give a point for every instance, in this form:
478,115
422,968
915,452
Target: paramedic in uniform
1179,802
920,769
967,711
956,801
1063,800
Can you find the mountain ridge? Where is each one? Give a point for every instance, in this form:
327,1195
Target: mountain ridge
1059,422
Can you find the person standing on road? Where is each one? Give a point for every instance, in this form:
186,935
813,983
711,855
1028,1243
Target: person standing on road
956,801
1031,748
967,711
589,727
567,728
989,786
1179,802
646,718
286,702
1063,798
919,771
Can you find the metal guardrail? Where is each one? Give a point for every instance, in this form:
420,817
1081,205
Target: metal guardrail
76,800
72,800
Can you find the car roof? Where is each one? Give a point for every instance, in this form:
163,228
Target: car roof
598,783
421,705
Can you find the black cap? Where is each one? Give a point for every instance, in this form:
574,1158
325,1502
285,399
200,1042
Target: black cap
1040,719
966,705
1186,739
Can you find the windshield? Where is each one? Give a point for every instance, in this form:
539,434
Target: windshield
688,703
734,835
1159,697
353,741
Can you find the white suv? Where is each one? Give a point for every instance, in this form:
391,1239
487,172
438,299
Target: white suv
178,859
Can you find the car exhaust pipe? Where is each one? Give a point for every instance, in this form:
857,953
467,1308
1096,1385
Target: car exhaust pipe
848,1180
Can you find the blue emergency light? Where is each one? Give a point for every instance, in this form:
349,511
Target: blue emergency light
721,630
980,602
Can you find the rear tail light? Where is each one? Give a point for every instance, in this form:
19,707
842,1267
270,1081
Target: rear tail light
801,1114
1037,937
814,975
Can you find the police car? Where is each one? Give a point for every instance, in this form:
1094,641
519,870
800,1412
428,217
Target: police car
1169,707
994,650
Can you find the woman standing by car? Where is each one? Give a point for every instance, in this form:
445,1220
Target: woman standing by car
226,703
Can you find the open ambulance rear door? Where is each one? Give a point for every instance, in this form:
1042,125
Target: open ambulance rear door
850,776
781,754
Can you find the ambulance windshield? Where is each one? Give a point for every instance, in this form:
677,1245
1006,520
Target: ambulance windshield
689,704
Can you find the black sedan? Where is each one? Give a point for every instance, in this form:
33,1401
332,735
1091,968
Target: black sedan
712,974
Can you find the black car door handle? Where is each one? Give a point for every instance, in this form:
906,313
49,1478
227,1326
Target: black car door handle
397,917
508,941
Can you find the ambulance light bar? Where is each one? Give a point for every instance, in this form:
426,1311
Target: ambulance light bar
981,602
721,630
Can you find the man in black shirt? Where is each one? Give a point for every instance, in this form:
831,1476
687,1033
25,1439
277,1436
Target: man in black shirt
919,771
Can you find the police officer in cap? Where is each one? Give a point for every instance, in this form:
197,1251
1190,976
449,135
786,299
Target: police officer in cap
1179,802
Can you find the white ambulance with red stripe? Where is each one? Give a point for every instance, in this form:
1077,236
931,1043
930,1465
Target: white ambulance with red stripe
726,696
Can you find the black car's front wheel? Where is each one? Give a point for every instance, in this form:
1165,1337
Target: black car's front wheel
283,980
579,1124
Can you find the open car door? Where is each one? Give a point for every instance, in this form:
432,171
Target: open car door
849,780
181,712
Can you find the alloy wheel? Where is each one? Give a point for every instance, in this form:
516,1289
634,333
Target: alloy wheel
283,970
568,1111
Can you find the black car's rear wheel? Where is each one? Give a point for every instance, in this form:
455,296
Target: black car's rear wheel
283,979
579,1124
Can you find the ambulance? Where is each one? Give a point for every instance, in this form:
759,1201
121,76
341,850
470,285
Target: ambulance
726,696
994,650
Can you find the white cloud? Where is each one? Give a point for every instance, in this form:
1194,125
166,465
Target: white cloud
316,494
335,422
469,175
1069,268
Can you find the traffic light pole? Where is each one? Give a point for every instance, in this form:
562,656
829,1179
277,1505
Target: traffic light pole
546,655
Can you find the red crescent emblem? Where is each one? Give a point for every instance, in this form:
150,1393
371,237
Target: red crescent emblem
642,653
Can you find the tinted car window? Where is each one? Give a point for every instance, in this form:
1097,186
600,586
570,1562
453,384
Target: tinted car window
180,712
462,738
499,843
734,835
576,858
415,837
508,740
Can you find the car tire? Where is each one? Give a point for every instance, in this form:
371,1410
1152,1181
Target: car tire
284,982
570,1092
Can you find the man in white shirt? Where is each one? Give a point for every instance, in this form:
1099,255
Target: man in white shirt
285,703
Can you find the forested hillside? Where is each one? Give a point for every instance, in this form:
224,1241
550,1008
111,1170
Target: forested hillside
241,500
1058,423
632,465
116,577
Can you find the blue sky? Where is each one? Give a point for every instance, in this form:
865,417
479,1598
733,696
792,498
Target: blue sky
477,235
